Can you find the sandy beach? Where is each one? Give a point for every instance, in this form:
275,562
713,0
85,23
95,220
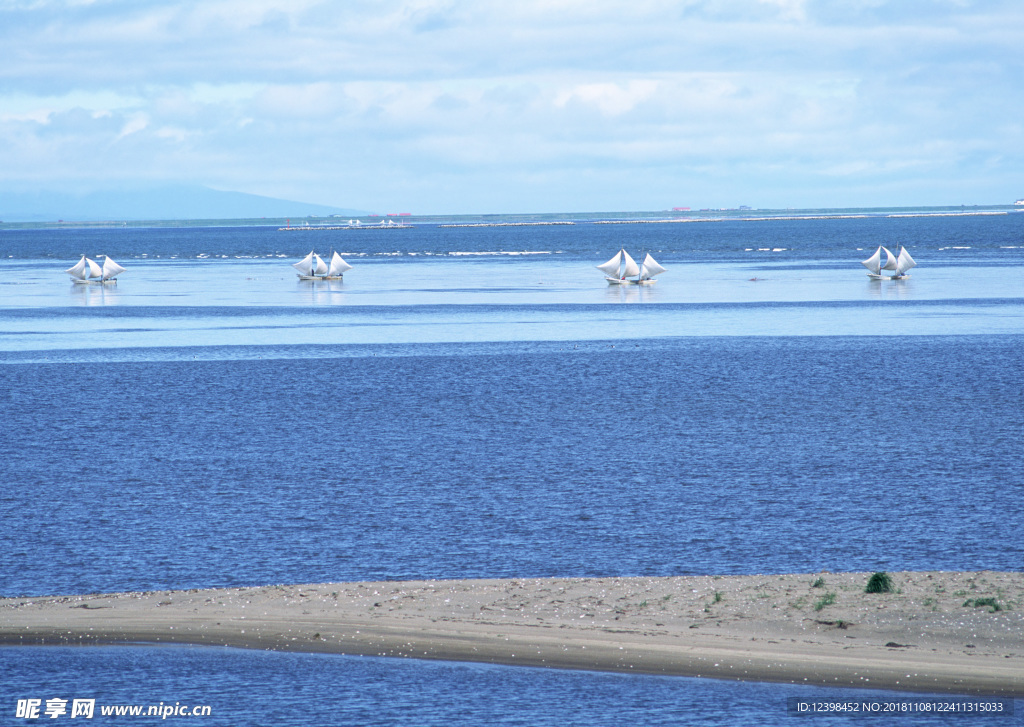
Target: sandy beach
937,632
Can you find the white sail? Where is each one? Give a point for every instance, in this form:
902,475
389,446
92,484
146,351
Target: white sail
95,271
78,271
904,262
305,265
321,266
338,265
874,263
890,260
111,269
631,266
650,267
611,268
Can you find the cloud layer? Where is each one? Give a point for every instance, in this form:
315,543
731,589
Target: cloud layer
437,106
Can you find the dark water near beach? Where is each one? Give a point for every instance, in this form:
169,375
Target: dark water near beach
453,410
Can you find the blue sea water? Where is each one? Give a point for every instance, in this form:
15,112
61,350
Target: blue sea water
477,402
278,688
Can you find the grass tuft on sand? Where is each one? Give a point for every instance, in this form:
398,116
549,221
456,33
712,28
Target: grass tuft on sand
827,600
991,603
879,583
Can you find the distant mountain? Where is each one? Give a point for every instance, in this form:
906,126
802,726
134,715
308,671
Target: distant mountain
178,202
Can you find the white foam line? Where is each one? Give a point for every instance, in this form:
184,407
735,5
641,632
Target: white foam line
948,214
496,252
506,224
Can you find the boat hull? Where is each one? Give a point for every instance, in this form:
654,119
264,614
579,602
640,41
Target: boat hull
76,281
620,281
321,277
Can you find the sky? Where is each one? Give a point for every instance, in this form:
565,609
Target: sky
480,106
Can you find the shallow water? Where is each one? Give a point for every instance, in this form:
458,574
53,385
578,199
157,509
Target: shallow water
253,688
246,303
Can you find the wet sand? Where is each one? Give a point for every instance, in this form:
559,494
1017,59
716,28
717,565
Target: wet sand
819,628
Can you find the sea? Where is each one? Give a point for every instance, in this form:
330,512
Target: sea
473,400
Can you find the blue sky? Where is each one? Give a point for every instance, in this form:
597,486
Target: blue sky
443,106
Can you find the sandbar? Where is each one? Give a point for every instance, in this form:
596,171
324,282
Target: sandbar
930,635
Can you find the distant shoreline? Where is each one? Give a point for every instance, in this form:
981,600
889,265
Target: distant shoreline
527,219
959,633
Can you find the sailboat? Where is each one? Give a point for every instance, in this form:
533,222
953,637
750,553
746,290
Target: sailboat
899,263
623,270
87,270
648,269
313,267
903,263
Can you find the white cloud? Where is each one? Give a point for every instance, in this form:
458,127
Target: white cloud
39,107
789,9
208,93
135,123
612,99
172,134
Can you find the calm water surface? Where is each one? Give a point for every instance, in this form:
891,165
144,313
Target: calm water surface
264,688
